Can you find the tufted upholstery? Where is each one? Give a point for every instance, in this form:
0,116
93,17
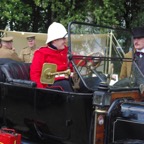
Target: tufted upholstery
4,61
2,76
17,73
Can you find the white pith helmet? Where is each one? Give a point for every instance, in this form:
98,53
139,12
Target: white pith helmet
56,31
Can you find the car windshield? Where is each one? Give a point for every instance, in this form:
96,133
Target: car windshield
98,53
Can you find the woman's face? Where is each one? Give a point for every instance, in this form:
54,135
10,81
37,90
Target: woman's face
138,43
60,43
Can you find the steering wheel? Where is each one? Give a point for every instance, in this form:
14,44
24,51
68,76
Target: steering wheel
86,65
91,63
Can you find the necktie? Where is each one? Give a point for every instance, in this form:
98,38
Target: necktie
140,54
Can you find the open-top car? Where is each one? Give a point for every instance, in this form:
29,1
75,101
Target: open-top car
102,106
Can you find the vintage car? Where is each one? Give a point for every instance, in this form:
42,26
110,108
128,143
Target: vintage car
102,109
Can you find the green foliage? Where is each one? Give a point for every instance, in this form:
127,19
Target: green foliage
108,11
13,12
37,15
137,14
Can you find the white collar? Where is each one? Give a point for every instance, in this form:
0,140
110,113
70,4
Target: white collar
142,50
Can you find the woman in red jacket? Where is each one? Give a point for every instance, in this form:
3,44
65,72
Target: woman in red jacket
56,53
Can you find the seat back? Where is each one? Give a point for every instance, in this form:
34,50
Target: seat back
18,73
2,76
2,62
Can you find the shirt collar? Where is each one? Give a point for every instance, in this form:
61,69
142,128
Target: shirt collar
142,50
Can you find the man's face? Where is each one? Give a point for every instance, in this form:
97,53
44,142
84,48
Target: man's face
8,45
60,43
31,43
139,43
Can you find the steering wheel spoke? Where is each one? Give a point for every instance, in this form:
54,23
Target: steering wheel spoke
91,61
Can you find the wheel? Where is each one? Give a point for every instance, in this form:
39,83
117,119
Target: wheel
86,67
89,63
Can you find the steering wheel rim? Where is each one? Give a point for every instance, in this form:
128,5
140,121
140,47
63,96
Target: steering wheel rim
95,62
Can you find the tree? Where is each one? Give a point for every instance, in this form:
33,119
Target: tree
14,14
37,15
105,12
122,13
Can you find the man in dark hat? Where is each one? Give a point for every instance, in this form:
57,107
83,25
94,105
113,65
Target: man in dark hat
138,32
27,53
6,50
138,41
138,63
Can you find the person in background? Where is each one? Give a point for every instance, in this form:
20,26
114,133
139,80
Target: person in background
56,53
0,43
27,53
138,40
137,66
6,50
138,43
126,66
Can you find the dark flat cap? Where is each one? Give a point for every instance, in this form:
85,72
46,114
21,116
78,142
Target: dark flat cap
7,39
138,32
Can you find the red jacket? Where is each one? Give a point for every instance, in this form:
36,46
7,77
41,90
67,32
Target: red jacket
47,55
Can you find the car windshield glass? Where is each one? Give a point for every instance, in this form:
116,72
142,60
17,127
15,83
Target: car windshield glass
98,54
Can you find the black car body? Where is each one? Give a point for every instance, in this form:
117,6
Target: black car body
96,112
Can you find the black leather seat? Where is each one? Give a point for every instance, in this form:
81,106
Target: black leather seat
6,60
17,73
2,76
2,62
